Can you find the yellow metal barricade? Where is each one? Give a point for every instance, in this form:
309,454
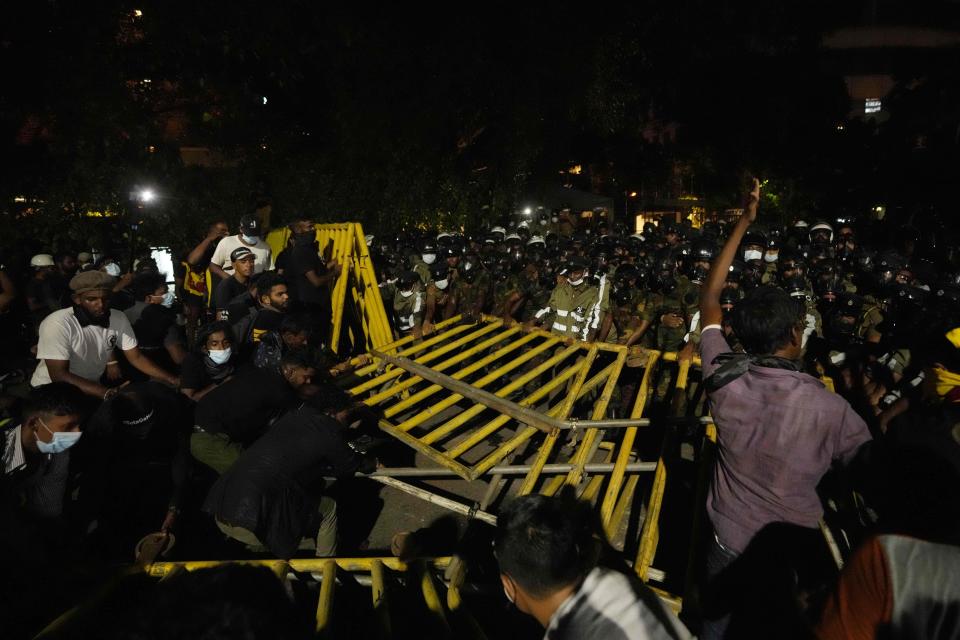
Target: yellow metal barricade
356,291
382,574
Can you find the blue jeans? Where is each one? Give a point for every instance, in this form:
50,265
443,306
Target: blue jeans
718,559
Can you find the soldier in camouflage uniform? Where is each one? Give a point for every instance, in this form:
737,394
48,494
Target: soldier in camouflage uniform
428,257
439,303
576,306
470,289
408,304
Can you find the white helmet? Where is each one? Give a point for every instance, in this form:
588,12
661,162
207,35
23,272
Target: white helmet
499,230
42,260
512,236
536,240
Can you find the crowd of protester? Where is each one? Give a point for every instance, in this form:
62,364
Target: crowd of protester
219,396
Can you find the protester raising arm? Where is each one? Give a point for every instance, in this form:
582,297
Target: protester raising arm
710,311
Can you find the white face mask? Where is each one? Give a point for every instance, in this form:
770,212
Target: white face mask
219,356
429,258
752,254
62,440
555,219
575,283
168,298
771,256
406,294
112,269
442,284
250,239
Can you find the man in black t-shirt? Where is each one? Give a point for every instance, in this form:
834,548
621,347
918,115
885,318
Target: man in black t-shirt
311,278
274,301
237,412
229,288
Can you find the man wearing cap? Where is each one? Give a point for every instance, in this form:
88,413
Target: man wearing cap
243,266
78,343
577,307
41,298
221,263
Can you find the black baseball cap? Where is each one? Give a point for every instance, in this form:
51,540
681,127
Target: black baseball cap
240,253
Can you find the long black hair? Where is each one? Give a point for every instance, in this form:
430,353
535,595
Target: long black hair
209,329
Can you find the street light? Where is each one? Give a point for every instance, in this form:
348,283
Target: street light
527,211
146,195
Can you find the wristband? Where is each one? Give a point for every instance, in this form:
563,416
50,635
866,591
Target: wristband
113,362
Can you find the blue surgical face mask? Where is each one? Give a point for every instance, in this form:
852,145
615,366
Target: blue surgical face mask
112,269
168,299
250,239
62,440
219,356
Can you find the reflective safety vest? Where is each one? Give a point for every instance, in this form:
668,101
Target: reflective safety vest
577,311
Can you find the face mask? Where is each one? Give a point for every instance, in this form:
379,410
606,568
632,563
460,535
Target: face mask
771,256
429,258
250,239
406,294
555,219
61,440
442,284
112,269
168,299
219,356
752,254
575,283
302,238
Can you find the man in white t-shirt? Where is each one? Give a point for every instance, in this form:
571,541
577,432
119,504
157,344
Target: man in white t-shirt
249,237
77,344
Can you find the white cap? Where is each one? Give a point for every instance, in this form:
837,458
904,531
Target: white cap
536,240
498,230
512,236
42,260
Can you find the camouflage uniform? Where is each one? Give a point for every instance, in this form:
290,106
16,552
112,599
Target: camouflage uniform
577,311
409,311
422,269
441,301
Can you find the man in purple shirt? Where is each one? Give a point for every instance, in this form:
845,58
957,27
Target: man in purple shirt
778,430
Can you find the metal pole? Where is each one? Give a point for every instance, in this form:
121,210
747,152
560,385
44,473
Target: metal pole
518,412
506,470
433,498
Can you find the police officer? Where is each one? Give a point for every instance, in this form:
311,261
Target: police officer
470,288
408,304
576,306
439,303
427,257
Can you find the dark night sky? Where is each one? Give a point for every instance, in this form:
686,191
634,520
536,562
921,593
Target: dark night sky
444,112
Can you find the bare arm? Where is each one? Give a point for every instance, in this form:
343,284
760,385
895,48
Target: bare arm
196,256
59,371
217,271
710,311
318,280
195,394
145,365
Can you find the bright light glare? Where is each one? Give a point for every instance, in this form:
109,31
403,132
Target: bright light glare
264,99
138,13
147,195
527,211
